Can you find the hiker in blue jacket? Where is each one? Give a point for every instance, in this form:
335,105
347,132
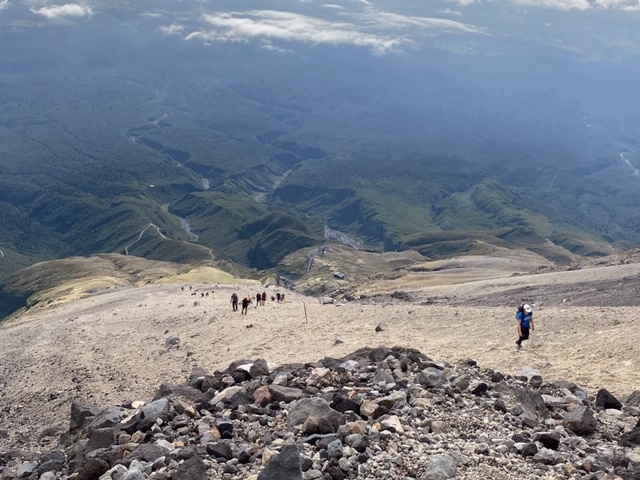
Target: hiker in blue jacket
525,322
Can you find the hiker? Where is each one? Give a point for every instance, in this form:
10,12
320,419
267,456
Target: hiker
278,297
264,298
234,301
282,298
273,298
258,299
245,305
525,321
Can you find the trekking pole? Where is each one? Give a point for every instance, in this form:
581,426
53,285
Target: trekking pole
306,319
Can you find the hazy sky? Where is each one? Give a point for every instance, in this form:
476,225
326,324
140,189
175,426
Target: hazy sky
589,27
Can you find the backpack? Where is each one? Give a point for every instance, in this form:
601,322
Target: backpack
520,311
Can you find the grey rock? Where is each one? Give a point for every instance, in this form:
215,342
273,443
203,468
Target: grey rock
535,381
284,394
550,440
545,457
529,450
92,469
168,390
383,376
259,368
192,469
147,452
630,439
26,469
531,403
172,342
315,411
580,420
441,467
433,378
604,399
81,415
109,417
285,466
101,438
133,474
462,382
155,410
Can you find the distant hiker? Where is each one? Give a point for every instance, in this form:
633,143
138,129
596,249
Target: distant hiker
234,301
183,289
201,294
245,304
278,297
207,294
190,288
282,298
258,299
264,298
525,321
273,299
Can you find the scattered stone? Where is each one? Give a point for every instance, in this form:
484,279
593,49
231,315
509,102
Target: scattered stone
376,414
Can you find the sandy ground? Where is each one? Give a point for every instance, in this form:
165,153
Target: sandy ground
111,347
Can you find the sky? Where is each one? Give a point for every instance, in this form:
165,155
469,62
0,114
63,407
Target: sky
587,27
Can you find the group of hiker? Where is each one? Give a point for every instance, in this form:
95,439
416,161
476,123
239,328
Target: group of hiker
261,299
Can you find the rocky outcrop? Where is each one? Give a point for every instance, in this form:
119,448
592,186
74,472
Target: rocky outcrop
377,413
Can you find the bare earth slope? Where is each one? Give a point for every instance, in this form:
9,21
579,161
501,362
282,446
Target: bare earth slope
111,346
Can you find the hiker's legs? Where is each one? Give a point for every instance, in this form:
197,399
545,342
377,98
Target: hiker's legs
524,336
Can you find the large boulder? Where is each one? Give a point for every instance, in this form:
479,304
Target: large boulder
286,466
315,414
580,420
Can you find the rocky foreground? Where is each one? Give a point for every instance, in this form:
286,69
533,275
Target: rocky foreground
377,413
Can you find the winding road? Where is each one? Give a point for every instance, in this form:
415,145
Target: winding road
209,251
126,249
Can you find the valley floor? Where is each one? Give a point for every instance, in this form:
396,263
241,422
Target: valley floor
111,347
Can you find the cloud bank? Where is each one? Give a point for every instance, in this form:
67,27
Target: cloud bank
4,4
271,25
374,29
566,5
54,12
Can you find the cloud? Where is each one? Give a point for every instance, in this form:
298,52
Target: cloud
4,4
555,4
151,15
335,7
626,5
291,27
396,21
54,12
448,11
566,5
173,29
273,48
